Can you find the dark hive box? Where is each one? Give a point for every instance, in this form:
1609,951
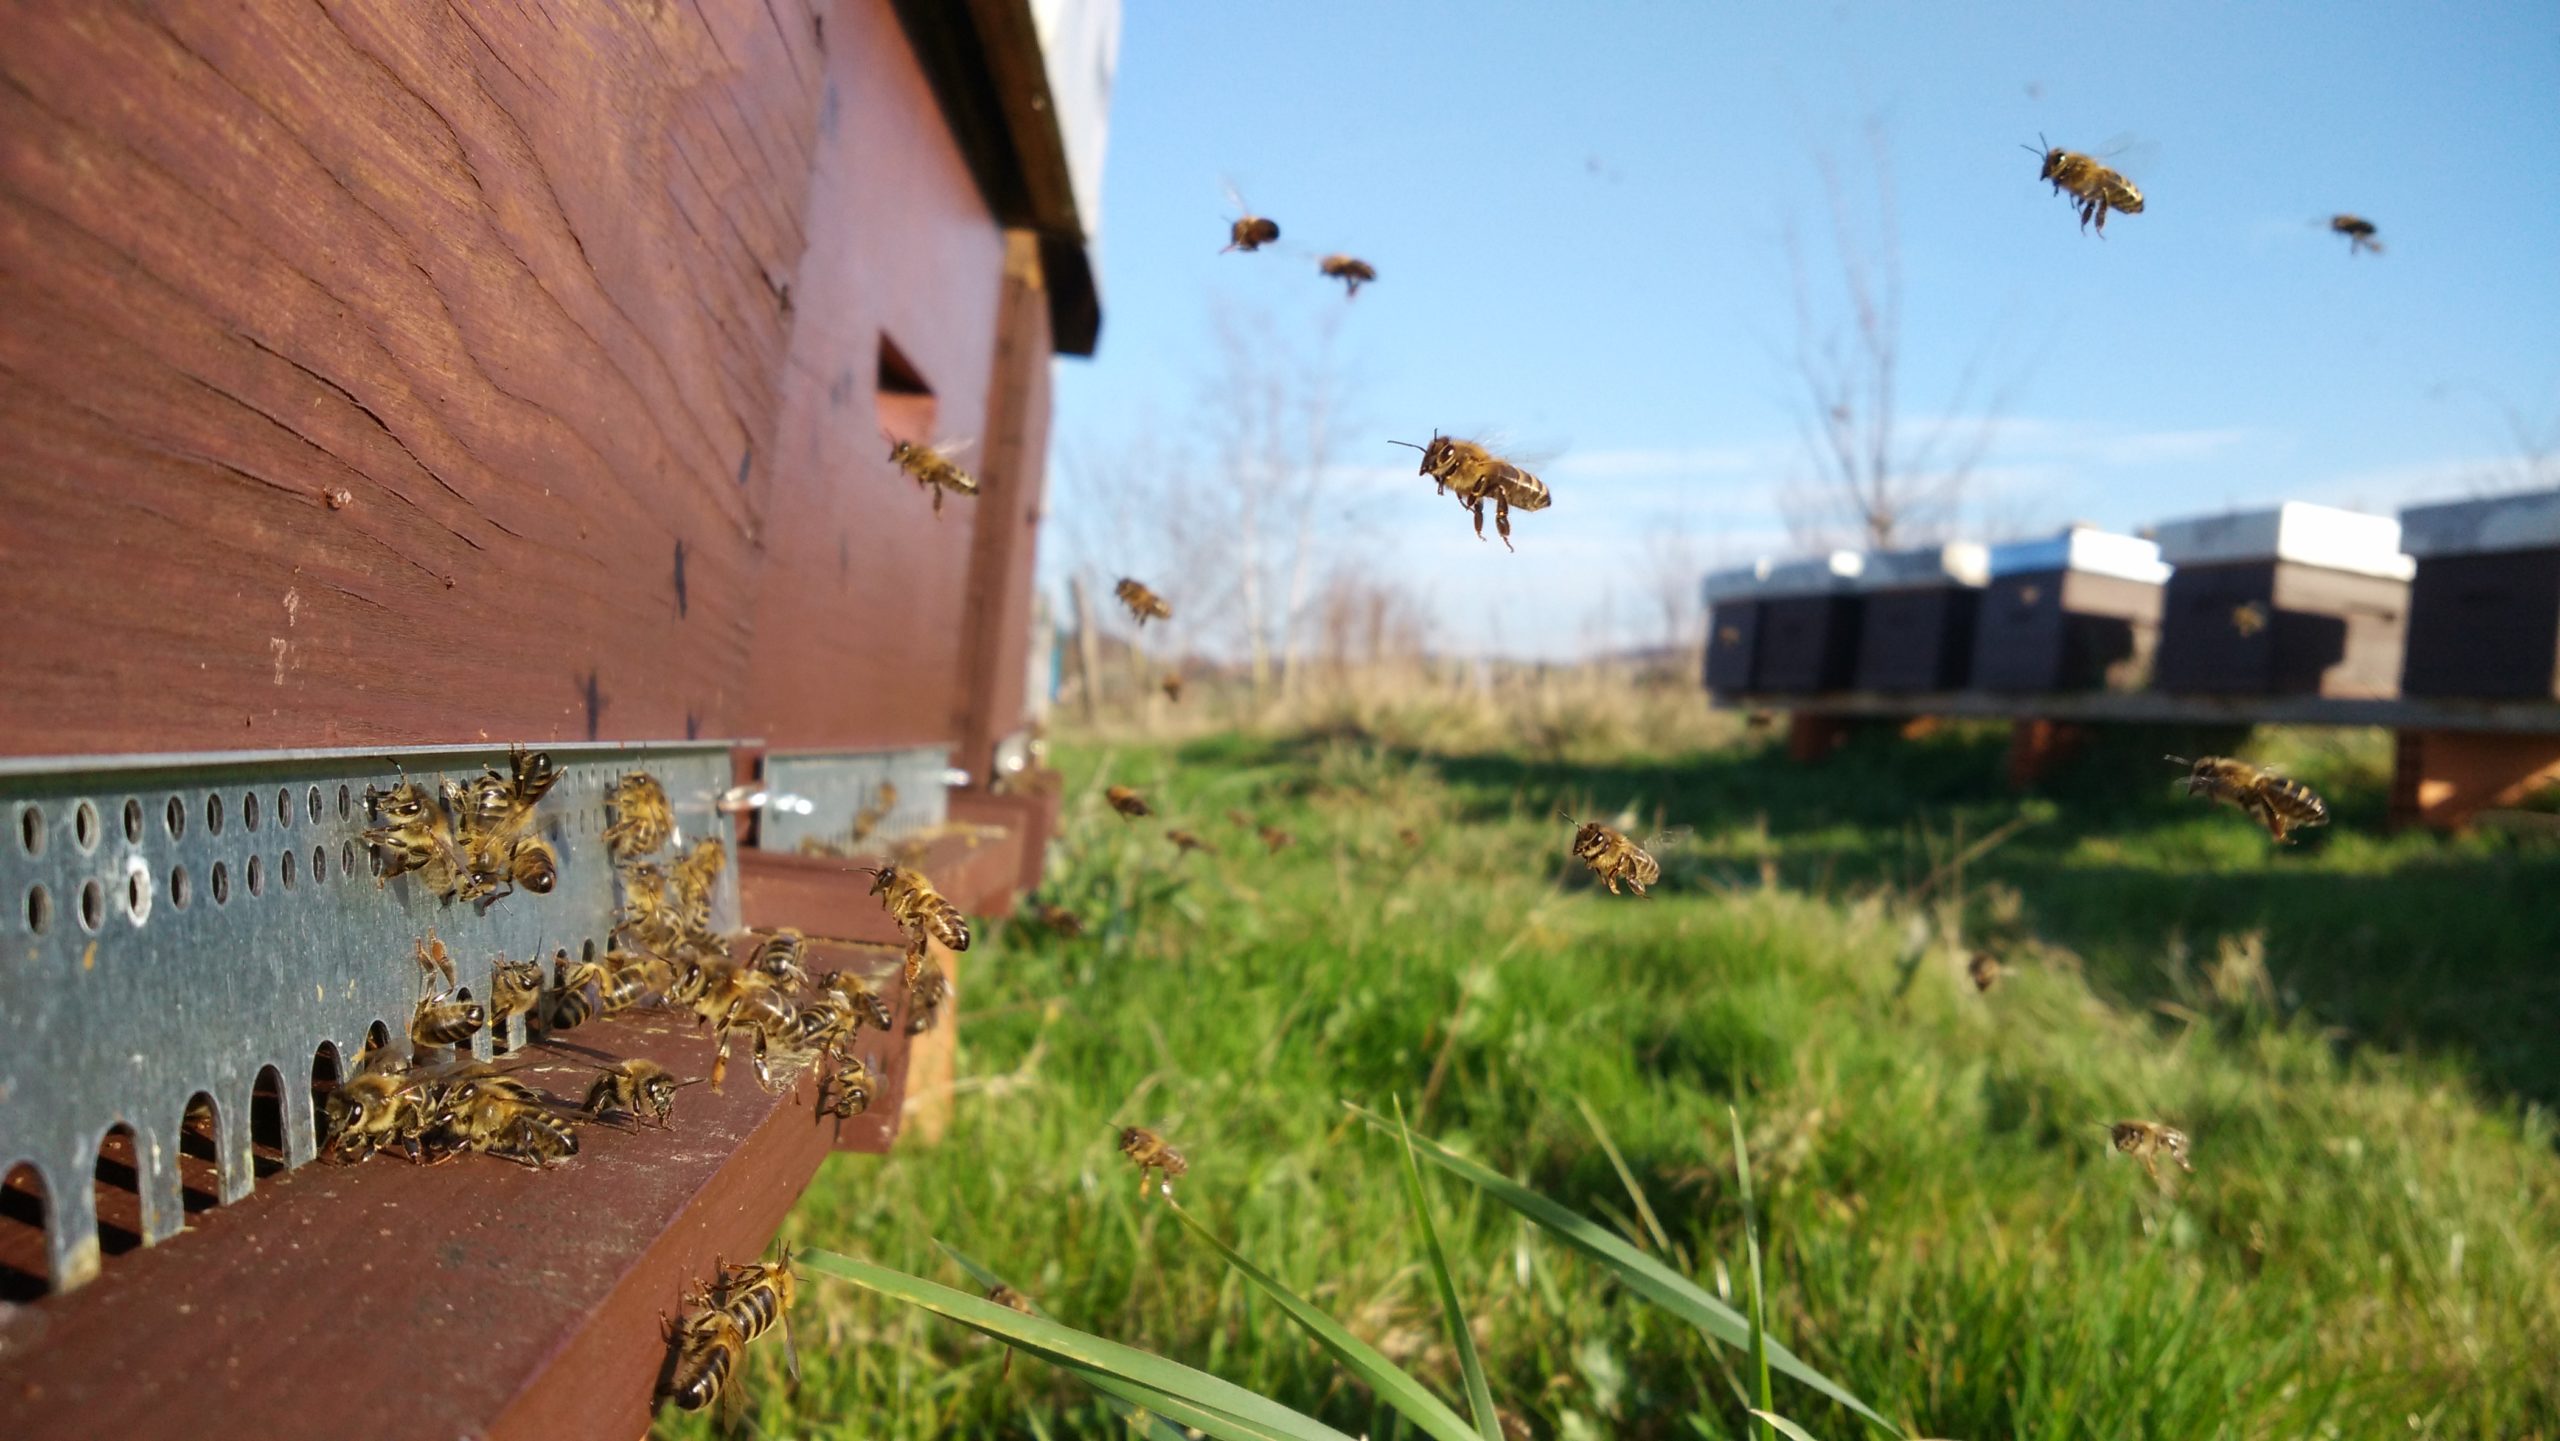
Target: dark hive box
2079,611
2484,610
1916,632
1808,627
2297,600
1733,627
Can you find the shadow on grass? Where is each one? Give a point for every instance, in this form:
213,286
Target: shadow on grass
2419,944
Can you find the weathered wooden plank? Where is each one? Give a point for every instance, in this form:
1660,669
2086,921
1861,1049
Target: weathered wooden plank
505,280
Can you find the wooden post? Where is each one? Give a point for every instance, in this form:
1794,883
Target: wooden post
1088,651
2037,747
2441,779
933,1061
1812,737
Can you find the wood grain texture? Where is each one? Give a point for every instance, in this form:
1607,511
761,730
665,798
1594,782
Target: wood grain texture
862,589
997,630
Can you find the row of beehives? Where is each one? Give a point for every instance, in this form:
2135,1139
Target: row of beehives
2455,601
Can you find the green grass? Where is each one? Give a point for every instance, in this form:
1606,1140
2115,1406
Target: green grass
2361,1034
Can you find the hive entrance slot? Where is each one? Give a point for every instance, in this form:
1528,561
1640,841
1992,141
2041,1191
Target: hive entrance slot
22,1217
119,1188
200,1156
266,1123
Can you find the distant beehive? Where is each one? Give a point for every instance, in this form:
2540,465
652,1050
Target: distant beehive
2078,611
1808,626
2484,610
2296,600
1733,626
1916,632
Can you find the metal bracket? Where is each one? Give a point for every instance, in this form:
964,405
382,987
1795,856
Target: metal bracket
178,927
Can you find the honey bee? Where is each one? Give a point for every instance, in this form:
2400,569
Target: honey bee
846,1091
868,819
693,879
415,836
2249,619
1614,858
2146,1141
642,817
1061,922
745,1000
1248,231
2095,188
932,466
1985,970
493,817
709,1351
865,1001
920,911
578,988
379,1105
1011,1300
2359,233
757,1298
1410,838
1185,842
1476,475
1351,272
507,1122
925,995
778,957
1150,1154
1172,686
2278,804
1127,802
643,1090
443,1021
1276,840
514,987
1143,603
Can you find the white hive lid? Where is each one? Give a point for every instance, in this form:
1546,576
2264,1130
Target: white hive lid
1959,563
1738,583
1816,575
2318,535
2529,521
2084,549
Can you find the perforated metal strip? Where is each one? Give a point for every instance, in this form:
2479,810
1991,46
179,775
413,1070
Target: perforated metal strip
841,785
176,926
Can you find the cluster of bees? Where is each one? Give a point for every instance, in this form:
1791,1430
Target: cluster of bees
707,1341
469,841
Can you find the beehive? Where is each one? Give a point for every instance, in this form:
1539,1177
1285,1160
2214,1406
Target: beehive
2076,611
2296,600
1916,633
1809,626
1733,626
2484,609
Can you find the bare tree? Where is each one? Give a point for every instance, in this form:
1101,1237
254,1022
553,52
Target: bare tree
1673,566
1874,479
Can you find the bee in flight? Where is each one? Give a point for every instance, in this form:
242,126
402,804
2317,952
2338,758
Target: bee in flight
2359,233
1150,1154
932,466
1143,603
2095,188
1351,271
1276,840
2147,1141
1172,684
1127,802
1985,970
2269,799
1248,231
1185,842
1065,924
2249,618
925,995
1477,475
1613,857
920,911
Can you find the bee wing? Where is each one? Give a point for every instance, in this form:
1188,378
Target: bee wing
2129,154
1670,836
1235,198
950,448
790,1352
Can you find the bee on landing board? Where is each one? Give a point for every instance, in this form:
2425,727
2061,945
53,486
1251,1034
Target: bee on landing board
2147,1141
1477,475
1613,857
932,466
1127,802
1143,603
757,1298
1248,231
2359,233
1150,1154
709,1353
642,1090
2280,805
1351,271
2095,188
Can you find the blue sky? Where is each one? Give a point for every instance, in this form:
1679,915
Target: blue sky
1577,214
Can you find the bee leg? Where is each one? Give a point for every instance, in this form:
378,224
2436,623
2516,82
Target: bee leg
1475,507
1502,519
937,500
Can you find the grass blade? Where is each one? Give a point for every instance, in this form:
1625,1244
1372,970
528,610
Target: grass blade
1643,1274
1128,1404
1479,1393
1393,1385
1751,1254
1169,1388
1785,1427
1626,1178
